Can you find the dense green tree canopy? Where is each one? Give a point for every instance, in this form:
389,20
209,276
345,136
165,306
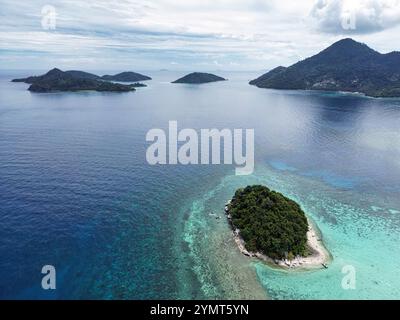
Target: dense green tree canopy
269,222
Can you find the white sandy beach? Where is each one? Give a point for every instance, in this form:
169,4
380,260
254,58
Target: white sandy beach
319,257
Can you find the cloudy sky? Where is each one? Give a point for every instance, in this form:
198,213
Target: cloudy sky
186,34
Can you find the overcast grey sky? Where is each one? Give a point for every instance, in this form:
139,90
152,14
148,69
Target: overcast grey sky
187,34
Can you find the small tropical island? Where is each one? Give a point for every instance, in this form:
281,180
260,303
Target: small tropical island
127,76
57,80
274,228
199,78
347,66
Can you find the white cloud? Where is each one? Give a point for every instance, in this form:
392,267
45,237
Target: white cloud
355,16
243,34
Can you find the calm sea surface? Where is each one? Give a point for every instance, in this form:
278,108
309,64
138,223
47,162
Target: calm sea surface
76,191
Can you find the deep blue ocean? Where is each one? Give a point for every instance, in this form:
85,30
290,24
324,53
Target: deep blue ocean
76,191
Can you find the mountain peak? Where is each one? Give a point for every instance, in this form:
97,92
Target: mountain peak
54,71
347,41
349,46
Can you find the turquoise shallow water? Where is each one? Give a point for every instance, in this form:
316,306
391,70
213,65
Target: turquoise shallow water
352,231
76,192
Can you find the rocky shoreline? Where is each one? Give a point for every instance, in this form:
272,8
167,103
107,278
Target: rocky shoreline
319,256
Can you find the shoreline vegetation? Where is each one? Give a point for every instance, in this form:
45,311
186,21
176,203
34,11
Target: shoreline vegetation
314,256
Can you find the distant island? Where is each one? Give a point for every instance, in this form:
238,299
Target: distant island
274,228
199,78
346,65
126,77
57,72
138,85
56,80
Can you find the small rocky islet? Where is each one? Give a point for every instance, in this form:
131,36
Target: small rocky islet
269,226
127,76
199,78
